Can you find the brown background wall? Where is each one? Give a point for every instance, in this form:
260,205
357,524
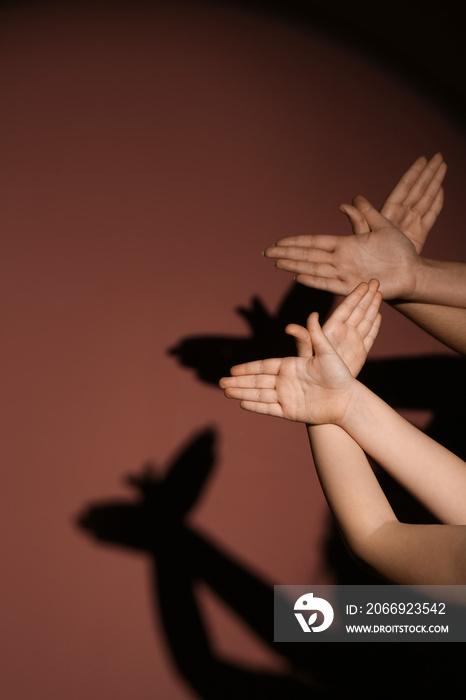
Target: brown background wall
149,154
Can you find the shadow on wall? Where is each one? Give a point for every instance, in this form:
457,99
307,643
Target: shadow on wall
212,356
157,524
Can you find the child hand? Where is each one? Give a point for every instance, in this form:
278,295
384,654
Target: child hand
315,389
351,329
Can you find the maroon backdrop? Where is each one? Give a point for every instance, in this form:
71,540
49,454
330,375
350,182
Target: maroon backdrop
149,155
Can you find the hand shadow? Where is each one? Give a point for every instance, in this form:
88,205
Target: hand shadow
212,356
181,556
432,383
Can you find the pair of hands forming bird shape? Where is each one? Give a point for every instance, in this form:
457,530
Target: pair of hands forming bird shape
317,386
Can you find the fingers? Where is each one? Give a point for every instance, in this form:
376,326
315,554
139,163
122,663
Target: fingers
372,333
311,260
257,395
253,384
321,242
302,339
255,400
427,196
425,188
298,332
269,366
360,310
373,217
419,186
266,409
302,252
405,183
430,217
306,267
348,306
319,264
249,381
320,342
311,255
332,284
367,309
357,219
354,308
366,325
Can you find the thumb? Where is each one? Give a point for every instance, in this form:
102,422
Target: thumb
319,340
302,339
357,219
373,217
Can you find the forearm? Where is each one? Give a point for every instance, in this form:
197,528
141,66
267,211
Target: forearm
350,487
402,553
431,473
419,554
446,323
440,282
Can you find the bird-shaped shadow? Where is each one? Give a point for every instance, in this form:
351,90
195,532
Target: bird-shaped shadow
212,356
434,383
156,523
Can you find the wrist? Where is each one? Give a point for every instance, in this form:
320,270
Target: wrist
348,404
419,282
421,276
350,407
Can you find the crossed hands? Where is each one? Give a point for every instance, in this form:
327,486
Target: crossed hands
386,245
317,386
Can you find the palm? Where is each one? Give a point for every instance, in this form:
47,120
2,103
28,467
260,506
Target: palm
408,222
312,389
349,344
384,253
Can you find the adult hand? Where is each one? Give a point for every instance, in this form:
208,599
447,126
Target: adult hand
384,246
